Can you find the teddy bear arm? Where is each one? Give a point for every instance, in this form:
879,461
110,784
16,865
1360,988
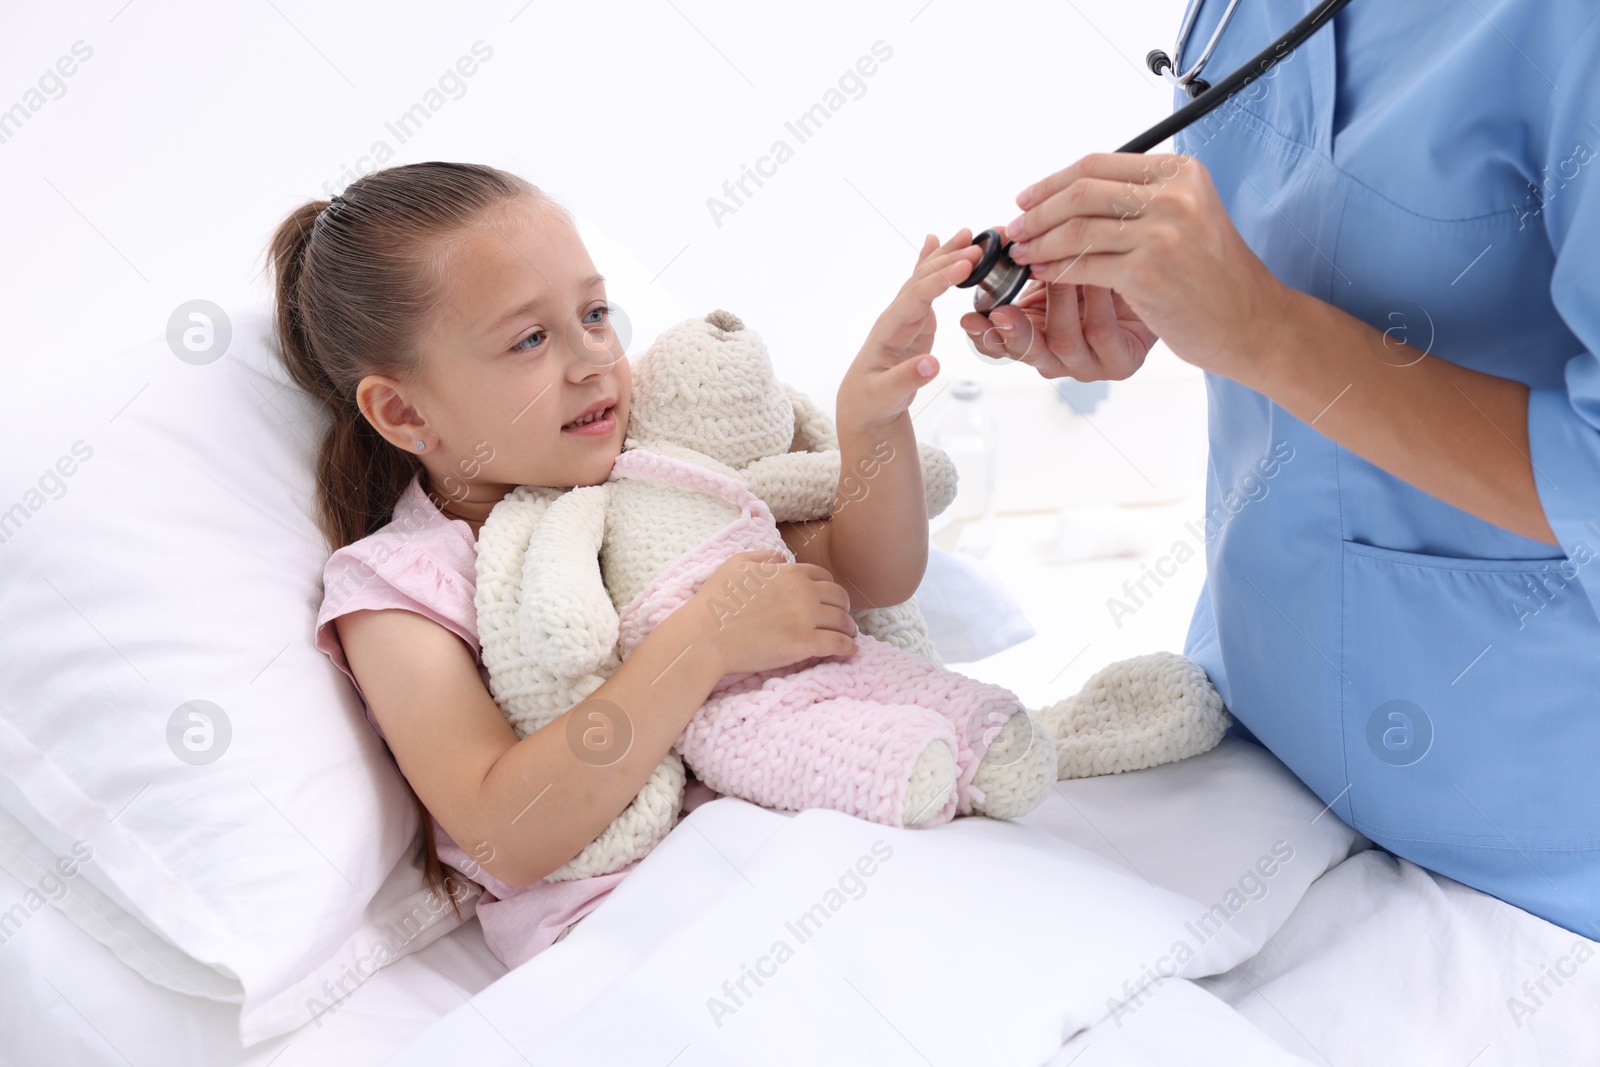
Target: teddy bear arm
568,623
796,486
938,478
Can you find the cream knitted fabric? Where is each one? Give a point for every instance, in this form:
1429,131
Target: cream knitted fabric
798,485
1136,713
531,694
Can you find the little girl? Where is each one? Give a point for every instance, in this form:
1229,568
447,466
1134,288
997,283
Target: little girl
450,319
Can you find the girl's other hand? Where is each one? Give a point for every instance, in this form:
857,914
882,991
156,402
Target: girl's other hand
761,611
897,360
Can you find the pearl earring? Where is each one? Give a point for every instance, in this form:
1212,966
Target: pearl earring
421,444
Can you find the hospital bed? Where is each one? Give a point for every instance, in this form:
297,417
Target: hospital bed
1210,911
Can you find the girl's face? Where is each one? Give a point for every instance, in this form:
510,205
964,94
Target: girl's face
518,352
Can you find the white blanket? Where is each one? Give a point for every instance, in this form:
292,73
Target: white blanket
751,936
1375,961
1384,961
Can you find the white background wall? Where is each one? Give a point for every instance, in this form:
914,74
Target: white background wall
158,174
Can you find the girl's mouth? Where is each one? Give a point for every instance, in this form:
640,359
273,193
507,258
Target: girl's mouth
597,425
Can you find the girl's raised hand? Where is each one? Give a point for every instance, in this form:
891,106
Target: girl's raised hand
896,360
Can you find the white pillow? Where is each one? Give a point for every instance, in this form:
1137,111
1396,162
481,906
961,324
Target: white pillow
970,612
158,550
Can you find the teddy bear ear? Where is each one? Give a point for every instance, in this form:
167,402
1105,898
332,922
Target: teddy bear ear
725,320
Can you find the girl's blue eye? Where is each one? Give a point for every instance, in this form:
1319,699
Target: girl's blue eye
603,311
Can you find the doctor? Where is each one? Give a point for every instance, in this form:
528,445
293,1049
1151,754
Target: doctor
1385,255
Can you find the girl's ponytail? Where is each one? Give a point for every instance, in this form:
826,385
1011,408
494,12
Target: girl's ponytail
360,476
355,277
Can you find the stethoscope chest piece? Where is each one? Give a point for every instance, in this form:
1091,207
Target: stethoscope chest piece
998,279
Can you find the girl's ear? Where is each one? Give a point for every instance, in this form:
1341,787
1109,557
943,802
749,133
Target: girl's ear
383,402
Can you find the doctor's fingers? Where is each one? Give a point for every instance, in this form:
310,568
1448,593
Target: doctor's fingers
1018,340
1073,328
1104,166
1117,354
1077,235
1093,198
1075,334
1046,335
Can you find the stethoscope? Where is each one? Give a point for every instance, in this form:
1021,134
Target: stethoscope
999,280
1166,66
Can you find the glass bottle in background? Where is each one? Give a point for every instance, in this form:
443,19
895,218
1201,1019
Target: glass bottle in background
967,434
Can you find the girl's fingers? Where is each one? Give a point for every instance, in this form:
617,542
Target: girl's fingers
907,377
962,236
818,574
944,261
831,593
958,239
923,288
956,247
954,272
836,619
930,286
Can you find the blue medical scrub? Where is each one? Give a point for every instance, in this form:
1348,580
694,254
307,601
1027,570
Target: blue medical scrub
1432,168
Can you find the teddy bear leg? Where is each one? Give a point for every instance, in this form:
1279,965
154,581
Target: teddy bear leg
1136,713
930,796
887,763
1016,771
1005,767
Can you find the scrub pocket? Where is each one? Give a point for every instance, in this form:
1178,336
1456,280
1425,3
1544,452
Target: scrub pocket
1471,699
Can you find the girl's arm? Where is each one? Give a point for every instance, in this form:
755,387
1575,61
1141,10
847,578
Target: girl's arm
876,544
523,808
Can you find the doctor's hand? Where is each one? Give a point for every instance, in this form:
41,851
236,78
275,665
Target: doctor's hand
1064,330
1152,229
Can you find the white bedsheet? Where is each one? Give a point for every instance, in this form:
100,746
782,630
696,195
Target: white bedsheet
978,942
981,942
1350,956
1386,962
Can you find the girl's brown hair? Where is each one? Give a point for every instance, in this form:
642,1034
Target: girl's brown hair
356,278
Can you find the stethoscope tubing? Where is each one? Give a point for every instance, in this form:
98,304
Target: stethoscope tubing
1000,281
1184,78
1264,61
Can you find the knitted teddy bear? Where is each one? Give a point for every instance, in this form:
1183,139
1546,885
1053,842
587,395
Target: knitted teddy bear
552,630
570,581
